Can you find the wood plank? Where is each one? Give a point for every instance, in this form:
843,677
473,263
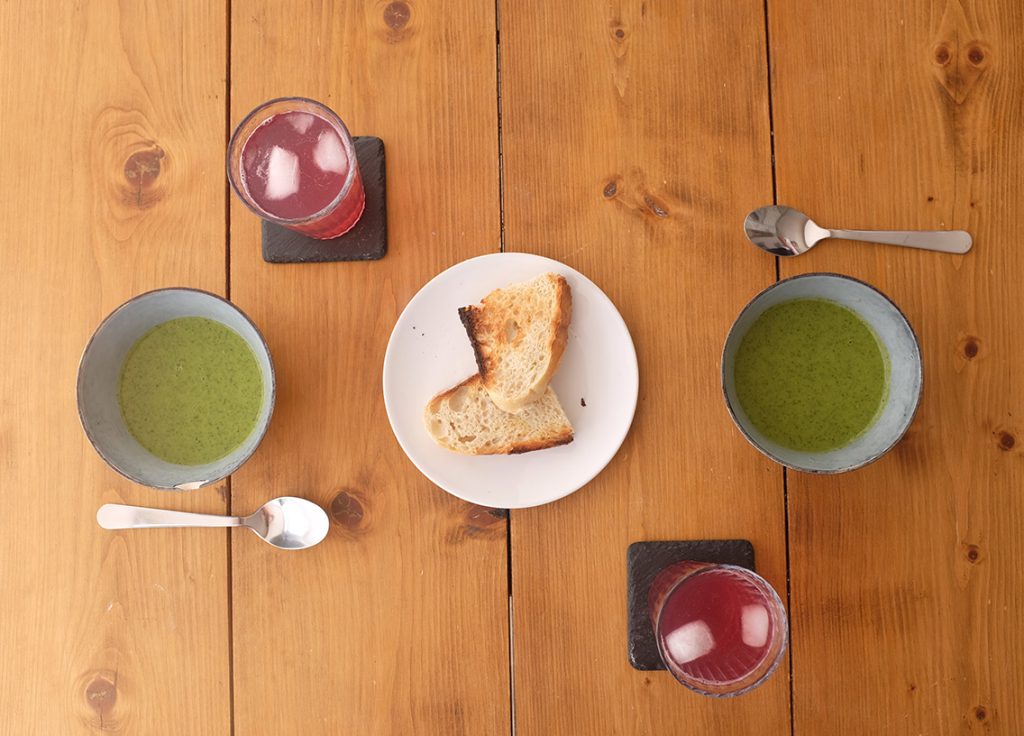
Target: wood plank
398,623
906,574
635,139
103,632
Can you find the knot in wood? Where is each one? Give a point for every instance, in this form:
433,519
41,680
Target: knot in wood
101,694
396,15
348,511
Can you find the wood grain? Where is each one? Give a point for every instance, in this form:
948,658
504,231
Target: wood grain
398,622
111,143
635,139
906,574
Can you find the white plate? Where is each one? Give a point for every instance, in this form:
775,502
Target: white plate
429,352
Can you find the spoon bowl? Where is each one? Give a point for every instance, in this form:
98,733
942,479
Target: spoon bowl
286,523
289,523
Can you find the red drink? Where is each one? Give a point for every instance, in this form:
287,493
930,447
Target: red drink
721,629
292,162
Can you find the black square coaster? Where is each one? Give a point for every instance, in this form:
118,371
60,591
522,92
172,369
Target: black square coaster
367,241
644,560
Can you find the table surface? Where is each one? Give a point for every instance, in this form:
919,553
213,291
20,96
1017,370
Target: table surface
627,139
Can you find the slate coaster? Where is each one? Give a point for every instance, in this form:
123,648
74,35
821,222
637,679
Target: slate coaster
367,241
644,560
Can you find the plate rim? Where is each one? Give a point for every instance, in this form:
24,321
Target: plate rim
633,364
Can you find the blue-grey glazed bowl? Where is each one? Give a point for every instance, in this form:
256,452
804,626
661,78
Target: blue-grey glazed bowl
99,375
905,372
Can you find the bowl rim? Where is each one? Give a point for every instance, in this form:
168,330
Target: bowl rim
871,458
192,485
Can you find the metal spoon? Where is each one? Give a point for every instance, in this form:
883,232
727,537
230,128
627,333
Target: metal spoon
783,231
286,522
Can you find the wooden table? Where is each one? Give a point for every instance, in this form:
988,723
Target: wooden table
627,139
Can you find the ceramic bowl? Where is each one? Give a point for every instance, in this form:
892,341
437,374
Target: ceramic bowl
905,373
99,374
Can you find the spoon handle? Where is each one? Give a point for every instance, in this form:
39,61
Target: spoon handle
119,516
945,241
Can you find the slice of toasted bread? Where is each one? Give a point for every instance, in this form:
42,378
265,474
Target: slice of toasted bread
464,419
518,336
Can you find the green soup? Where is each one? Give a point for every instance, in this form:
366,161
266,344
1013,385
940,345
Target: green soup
191,390
811,375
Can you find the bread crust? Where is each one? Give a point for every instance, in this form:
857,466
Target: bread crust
560,327
521,447
470,317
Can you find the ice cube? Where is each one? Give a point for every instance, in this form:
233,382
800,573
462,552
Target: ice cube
754,620
282,174
329,154
689,642
301,121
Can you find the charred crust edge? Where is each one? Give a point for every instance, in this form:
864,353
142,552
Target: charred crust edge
468,315
522,447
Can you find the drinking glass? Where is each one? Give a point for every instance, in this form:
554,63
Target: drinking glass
292,162
721,629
